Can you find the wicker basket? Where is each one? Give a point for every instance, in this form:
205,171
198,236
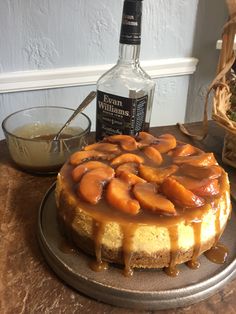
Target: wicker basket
221,90
222,94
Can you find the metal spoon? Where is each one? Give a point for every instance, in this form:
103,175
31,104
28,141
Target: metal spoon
80,108
56,145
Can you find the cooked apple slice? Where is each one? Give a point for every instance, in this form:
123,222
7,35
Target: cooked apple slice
211,172
127,158
146,194
127,142
92,183
82,168
153,154
131,178
130,167
204,187
103,147
82,155
184,150
118,195
202,160
156,175
145,139
179,195
165,143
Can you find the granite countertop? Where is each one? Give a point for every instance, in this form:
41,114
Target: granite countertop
27,283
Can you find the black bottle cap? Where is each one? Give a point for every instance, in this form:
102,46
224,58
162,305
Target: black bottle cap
131,22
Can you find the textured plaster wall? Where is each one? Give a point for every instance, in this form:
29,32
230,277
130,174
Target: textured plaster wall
42,34
39,34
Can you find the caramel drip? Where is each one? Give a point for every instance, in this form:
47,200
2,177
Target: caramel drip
194,263
172,270
66,247
217,254
98,232
217,226
127,248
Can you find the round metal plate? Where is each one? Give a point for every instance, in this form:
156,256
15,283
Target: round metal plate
147,289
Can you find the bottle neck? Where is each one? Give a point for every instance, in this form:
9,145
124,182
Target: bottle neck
130,33
129,54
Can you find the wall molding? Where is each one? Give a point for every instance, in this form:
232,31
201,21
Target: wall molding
87,75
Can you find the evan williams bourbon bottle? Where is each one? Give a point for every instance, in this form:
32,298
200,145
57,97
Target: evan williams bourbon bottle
125,92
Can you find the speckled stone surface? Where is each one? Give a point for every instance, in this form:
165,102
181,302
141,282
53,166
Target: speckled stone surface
27,284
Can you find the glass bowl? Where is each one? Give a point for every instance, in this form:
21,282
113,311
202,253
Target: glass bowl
29,135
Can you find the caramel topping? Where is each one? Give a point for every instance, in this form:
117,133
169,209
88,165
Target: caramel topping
172,270
184,191
217,254
98,231
193,264
98,266
66,247
217,226
197,228
127,245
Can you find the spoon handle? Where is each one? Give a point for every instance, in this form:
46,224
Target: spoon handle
80,108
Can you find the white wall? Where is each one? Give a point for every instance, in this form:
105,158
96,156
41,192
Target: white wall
51,34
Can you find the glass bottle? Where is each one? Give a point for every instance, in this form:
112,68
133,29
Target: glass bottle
125,92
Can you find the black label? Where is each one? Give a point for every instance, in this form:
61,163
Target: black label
119,115
131,23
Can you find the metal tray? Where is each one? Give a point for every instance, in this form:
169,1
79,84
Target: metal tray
147,289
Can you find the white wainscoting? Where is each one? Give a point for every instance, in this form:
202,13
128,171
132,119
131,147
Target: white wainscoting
87,75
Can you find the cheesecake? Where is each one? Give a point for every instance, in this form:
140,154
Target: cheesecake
142,202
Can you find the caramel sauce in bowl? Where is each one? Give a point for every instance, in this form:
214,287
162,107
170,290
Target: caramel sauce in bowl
29,135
